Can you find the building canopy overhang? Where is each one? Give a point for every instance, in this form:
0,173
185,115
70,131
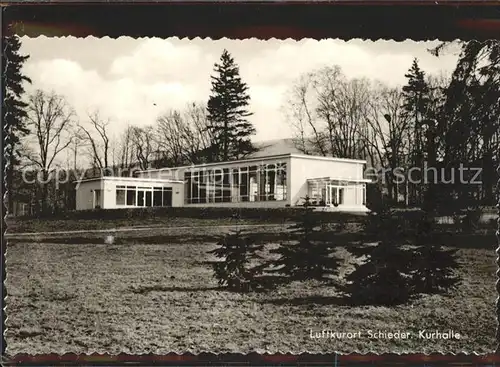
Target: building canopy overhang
338,180
130,179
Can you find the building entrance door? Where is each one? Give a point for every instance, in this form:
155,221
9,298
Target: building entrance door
335,195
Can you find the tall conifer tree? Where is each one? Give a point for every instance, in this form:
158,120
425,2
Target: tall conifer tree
14,108
228,112
416,106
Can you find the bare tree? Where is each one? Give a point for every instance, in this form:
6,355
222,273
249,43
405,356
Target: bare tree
342,106
326,110
170,129
387,135
300,111
75,148
197,133
126,148
97,137
144,145
49,120
183,136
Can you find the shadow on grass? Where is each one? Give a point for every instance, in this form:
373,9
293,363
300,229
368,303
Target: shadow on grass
308,301
484,240
162,288
127,239
467,241
264,284
356,301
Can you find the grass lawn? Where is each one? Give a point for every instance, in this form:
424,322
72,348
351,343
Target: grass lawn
155,293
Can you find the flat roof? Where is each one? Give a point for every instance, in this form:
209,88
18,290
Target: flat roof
115,178
287,155
317,179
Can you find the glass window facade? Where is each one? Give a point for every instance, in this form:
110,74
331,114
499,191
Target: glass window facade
266,182
323,192
143,196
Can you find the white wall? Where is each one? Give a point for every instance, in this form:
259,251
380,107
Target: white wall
108,196
164,174
177,194
84,194
303,168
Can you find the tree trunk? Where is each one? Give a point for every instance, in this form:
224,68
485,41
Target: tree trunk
44,191
9,180
498,265
225,142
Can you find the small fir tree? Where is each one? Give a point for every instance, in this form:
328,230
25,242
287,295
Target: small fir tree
380,278
309,258
240,269
228,112
433,267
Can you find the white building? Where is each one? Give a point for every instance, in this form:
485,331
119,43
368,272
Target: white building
266,181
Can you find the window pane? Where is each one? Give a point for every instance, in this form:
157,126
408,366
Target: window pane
218,182
271,176
281,189
262,183
120,197
234,186
195,181
157,198
244,186
203,195
98,198
167,196
131,197
140,198
253,186
188,186
148,194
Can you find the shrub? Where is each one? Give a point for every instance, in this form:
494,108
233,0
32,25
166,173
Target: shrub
471,219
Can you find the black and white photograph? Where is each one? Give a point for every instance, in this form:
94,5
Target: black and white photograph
237,196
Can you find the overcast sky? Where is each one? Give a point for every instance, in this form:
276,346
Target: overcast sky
135,80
